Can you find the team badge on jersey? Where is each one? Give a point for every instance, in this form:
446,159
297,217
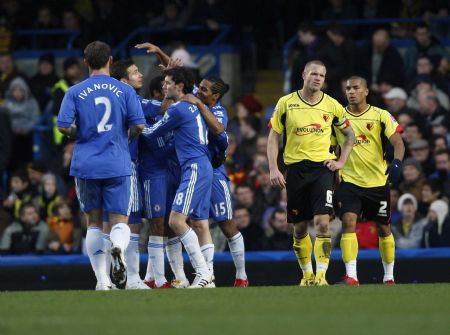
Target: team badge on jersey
369,125
326,117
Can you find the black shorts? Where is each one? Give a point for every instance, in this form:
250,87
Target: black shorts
373,203
309,187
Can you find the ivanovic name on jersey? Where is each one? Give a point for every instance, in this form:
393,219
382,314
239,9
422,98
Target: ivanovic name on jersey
100,86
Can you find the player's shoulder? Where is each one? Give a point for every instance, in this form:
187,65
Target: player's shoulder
329,99
380,112
219,110
289,97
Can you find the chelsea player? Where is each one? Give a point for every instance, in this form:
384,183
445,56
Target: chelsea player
191,145
102,114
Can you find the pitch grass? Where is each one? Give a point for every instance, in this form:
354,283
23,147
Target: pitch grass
368,309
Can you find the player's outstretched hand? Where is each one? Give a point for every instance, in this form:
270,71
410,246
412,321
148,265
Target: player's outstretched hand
333,165
277,179
394,171
151,48
171,64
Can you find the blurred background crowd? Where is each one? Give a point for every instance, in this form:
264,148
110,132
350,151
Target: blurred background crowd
39,212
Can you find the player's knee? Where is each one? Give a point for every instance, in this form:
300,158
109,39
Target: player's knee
322,226
384,229
300,229
349,222
228,228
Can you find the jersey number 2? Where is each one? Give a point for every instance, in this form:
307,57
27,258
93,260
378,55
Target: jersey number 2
102,126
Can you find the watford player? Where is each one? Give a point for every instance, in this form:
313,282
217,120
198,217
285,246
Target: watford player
364,187
306,118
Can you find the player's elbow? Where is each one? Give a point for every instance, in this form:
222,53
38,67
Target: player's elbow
64,131
138,128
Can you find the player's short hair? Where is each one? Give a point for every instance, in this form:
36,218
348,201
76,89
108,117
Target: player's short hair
119,69
97,54
363,80
181,75
156,84
218,86
314,62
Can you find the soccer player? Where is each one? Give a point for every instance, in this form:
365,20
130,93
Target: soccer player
306,118
99,113
210,91
364,188
194,191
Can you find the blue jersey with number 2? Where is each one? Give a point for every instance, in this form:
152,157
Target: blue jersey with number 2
103,108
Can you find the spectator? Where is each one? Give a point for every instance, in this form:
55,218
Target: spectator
61,225
413,178
395,100
425,67
48,197
437,230
420,151
412,133
245,197
442,173
8,72
45,20
29,234
338,54
440,127
248,130
211,13
424,84
251,231
278,234
24,112
35,171
439,143
265,195
408,230
310,45
5,146
173,17
404,118
431,191
380,62
20,193
339,10
425,45
246,108
110,24
42,82
367,234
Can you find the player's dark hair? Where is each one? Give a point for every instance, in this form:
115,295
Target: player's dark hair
363,80
156,84
119,69
182,75
218,86
97,54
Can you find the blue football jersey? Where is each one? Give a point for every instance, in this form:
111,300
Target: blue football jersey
190,131
103,109
151,110
218,143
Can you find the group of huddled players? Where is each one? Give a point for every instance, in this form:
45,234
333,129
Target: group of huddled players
159,159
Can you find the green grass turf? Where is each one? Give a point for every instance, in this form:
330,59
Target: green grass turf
368,309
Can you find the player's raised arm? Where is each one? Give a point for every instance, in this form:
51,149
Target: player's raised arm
163,126
152,48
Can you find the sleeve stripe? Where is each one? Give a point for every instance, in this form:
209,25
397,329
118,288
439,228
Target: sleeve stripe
399,130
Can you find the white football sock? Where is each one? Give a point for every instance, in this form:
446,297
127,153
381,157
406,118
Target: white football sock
237,250
132,259
388,271
156,253
350,269
95,248
120,236
149,275
208,254
174,252
108,245
190,242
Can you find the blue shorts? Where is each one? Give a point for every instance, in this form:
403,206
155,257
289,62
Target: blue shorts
172,183
154,196
111,194
194,193
221,202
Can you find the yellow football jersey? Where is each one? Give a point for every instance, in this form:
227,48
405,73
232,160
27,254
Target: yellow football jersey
366,165
307,127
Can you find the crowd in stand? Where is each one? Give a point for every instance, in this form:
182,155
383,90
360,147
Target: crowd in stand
39,212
